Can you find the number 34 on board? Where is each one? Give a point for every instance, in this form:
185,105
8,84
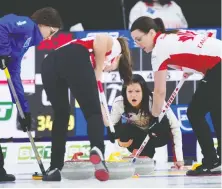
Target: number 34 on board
45,123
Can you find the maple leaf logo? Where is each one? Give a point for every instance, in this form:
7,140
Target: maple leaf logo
184,36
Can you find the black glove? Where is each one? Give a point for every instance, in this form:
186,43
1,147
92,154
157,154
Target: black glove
4,61
25,123
111,136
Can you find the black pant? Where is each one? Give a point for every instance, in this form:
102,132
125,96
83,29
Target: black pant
2,170
125,132
207,98
70,67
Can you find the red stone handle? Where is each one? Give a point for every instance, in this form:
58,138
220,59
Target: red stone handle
75,156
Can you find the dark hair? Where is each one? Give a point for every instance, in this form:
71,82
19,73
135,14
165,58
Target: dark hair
47,16
136,78
162,2
145,24
125,62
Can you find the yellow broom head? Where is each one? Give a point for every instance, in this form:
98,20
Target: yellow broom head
37,176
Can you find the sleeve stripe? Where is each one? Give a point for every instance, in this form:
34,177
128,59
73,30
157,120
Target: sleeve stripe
163,66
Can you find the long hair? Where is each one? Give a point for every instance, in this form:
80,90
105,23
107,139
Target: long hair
125,62
136,78
145,24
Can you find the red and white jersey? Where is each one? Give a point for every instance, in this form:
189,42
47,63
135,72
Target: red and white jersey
186,51
88,44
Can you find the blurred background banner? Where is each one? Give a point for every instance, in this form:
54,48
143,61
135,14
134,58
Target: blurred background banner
108,14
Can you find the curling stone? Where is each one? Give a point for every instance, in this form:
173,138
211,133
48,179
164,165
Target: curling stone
143,165
119,168
76,169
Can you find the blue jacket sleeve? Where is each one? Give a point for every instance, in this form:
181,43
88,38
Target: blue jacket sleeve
12,24
16,80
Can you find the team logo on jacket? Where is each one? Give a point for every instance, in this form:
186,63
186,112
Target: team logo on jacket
187,35
20,23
